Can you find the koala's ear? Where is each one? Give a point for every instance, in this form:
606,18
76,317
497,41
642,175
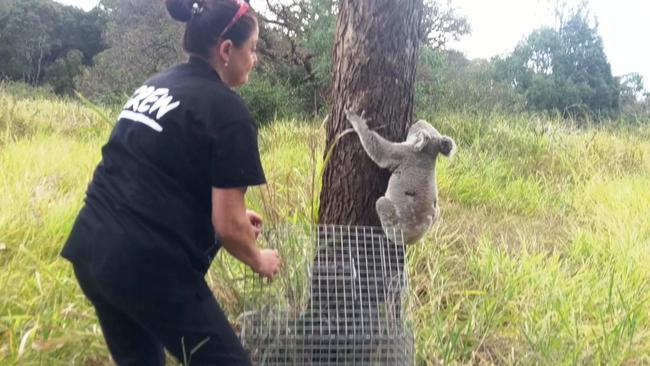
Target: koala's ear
421,140
447,146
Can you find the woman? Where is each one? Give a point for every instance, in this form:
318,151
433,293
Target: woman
173,176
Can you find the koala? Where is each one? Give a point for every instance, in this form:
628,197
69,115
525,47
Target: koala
411,200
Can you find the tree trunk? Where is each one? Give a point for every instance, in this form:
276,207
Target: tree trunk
375,58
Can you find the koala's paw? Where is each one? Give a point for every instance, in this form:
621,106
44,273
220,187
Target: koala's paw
357,122
447,146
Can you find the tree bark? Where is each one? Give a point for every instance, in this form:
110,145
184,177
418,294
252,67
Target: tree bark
375,58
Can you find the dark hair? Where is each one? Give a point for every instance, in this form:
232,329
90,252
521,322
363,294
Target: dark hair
205,24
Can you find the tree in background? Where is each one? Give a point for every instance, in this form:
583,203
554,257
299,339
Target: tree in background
375,57
61,74
142,41
441,24
296,45
41,41
633,100
563,69
448,81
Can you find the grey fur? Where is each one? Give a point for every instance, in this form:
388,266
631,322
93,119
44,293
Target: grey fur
410,203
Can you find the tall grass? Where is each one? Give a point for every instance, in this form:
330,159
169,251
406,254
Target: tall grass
541,256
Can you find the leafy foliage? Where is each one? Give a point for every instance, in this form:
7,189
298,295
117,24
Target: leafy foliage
142,40
43,41
563,69
268,100
441,24
296,45
634,101
60,75
447,81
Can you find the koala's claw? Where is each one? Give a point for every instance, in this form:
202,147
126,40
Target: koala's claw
364,118
355,120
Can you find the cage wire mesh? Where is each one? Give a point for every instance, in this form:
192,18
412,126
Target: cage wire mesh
339,299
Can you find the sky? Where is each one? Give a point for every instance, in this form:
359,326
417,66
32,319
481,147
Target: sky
498,25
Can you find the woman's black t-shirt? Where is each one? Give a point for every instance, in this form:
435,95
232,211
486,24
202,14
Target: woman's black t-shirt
148,207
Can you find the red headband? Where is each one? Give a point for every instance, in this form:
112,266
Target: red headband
243,8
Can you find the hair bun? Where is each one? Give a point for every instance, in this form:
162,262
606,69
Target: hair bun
179,10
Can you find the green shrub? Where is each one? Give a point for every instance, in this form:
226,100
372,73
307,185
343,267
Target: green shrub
268,100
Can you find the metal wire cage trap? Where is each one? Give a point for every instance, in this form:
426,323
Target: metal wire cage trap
339,300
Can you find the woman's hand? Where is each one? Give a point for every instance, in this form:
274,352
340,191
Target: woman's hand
269,263
269,260
256,221
234,224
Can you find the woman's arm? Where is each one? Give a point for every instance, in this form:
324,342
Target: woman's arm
237,233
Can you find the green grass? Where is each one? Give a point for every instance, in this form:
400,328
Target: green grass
541,256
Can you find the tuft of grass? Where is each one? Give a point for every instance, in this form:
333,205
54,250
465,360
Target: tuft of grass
292,159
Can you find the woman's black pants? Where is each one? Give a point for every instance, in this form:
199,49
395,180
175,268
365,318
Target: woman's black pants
137,327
